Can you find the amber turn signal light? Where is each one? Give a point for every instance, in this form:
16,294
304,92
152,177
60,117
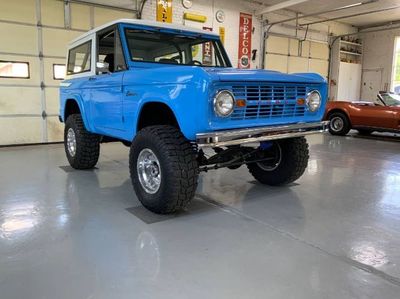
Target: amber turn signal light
240,103
301,101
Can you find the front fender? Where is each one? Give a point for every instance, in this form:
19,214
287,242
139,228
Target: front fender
186,101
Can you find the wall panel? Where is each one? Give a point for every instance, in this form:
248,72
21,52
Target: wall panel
52,13
55,41
20,100
102,15
18,10
18,39
20,130
80,16
276,62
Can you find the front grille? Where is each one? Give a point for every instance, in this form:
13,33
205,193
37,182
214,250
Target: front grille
268,101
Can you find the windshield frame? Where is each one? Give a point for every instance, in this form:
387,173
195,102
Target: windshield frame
382,99
217,46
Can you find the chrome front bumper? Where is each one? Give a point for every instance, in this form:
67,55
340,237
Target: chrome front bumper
251,135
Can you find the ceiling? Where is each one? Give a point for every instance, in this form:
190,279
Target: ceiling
312,6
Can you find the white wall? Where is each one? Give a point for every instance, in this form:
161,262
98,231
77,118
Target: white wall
378,55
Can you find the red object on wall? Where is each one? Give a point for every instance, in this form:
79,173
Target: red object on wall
245,28
207,50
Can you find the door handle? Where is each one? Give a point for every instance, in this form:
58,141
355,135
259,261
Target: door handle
130,93
92,78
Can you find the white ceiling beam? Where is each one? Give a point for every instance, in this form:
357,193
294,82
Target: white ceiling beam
282,5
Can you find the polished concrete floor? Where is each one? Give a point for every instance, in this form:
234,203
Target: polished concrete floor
335,233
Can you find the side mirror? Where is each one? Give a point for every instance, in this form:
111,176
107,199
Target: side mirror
102,67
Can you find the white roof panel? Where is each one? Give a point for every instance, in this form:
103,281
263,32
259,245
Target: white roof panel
145,23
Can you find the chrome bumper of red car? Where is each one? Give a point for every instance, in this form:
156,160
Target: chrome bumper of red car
258,134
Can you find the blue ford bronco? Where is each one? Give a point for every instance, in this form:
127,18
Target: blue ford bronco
170,93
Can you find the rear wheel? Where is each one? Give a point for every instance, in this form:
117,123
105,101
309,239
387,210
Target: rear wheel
289,159
163,168
339,124
81,147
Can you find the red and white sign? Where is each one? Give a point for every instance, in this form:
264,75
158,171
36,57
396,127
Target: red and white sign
245,28
207,50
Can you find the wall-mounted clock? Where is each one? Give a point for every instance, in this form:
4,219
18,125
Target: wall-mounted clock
220,16
187,3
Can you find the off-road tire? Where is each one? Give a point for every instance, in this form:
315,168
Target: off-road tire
294,161
179,168
87,144
364,132
346,124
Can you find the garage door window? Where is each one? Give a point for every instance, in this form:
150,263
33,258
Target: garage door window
14,69
79,59
58,71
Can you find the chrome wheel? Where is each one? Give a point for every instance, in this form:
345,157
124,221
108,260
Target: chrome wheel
149,171
276,160
337,124
71,142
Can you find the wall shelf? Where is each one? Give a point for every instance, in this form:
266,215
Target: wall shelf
351,43
351,53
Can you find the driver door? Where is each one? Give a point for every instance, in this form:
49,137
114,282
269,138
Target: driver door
377,116
106,87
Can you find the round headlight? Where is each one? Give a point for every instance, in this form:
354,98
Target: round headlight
224,103
313,100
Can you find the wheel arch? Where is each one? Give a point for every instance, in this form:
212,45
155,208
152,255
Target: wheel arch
74,106
338,110
156,113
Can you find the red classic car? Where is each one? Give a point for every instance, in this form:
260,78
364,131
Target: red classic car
382,115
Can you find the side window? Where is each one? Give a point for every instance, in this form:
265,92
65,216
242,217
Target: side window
110,51
79,59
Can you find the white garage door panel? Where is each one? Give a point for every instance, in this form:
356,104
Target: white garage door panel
102,15
305,49
34,78
319,50
20,100
52,101
55,41
18,10
276,62
20,130
55,129
18,39
293,47
319,66
48,70
297,65
52,13
276,44
80,16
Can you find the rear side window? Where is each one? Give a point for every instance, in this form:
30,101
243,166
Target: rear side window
79,59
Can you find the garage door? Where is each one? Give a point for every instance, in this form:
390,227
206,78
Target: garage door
290,55
32,62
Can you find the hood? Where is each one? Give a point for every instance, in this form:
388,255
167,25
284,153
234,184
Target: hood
232,74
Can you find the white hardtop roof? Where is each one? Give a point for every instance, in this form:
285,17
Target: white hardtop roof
145,23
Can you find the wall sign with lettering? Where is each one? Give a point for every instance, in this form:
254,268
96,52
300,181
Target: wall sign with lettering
164,11
245,28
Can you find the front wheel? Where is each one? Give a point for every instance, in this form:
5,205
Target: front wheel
288,161
163,168
339,124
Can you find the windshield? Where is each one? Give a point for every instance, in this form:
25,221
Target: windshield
158,47
391,99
